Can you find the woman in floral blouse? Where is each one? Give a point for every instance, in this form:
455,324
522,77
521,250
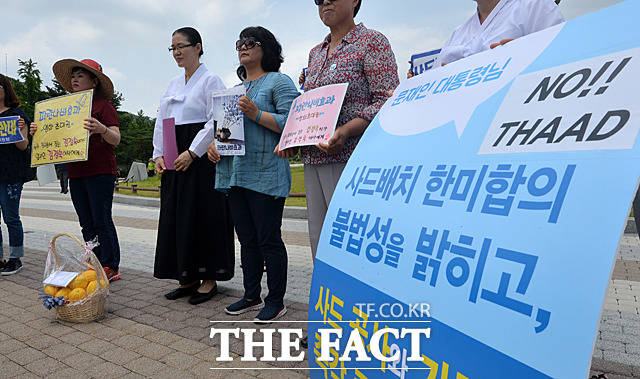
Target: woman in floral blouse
349,54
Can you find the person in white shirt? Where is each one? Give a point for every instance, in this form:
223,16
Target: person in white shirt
195,233
497,22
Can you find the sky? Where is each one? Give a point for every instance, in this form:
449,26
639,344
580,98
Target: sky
129,38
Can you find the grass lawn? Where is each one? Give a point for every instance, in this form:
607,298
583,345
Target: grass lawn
297,186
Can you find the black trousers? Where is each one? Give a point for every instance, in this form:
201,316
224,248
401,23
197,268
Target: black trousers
92,197
258,218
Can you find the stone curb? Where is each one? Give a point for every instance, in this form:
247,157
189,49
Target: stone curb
289,212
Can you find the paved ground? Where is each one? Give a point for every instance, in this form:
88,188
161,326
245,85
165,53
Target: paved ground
145,335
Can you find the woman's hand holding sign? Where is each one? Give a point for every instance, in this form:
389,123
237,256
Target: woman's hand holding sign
355,127
94,126
22,145
248,107
212,153
335,143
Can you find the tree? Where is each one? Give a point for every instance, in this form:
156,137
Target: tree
136,142
117,99
56,90
29,90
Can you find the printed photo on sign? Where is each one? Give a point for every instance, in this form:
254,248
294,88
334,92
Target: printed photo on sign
228,121
61,136
9,130
313,116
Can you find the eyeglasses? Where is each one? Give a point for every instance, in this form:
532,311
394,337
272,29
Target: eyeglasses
180,47
319,2
248,43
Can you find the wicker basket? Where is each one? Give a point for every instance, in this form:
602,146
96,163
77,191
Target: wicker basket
92,307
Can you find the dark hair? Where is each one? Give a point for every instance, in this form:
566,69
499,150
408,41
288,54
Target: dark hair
10,98
192,36
271,49
91,74
357,8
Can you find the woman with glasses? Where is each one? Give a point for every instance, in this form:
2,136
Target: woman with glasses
259,182
195,233
14,171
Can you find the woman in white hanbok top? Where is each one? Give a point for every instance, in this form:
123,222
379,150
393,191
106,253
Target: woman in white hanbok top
195,235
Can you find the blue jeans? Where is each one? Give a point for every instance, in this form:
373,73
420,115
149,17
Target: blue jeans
10,209
92,198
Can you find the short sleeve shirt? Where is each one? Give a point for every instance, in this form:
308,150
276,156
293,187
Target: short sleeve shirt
14,163
102,158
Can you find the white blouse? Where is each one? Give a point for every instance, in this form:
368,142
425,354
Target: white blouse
189,103
509,19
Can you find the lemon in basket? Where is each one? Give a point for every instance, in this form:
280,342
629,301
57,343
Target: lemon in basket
51,290
63,292
77,294
90,274
79,282
91,288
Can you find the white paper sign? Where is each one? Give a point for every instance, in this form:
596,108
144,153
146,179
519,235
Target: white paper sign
60,278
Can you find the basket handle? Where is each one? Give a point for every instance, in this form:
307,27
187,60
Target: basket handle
53,245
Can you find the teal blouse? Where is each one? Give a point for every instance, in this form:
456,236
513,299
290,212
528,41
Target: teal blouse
260,169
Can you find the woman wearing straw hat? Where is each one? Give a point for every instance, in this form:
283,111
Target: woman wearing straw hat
92,182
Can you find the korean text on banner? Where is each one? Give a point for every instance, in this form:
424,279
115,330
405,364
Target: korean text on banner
503,209
423,61
9,130
61,136
313,116
228,121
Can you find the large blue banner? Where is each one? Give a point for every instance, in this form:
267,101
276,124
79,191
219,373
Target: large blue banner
494,189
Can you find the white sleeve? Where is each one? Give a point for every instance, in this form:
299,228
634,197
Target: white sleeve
157,130
157,137
205,136
448,53
541,14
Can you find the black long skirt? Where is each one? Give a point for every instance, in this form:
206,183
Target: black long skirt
195,233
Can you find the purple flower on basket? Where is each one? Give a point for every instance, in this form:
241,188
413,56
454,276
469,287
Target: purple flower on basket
51,302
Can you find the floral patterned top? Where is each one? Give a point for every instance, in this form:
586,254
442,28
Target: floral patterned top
363,59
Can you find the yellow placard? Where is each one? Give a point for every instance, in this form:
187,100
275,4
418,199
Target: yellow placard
61,136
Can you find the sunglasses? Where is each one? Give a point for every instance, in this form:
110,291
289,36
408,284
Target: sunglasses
319,2
248,43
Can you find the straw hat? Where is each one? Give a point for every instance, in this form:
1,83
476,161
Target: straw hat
62,71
